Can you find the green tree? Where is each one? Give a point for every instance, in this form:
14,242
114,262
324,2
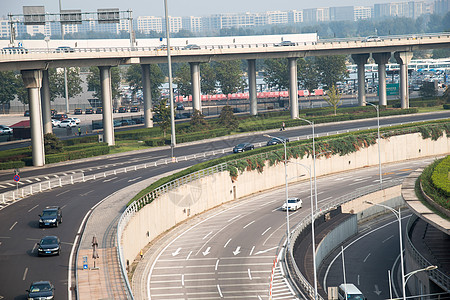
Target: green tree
229,76
227,118
57,86
276,73
52,144
198,121
161,115
331,69
446,95
133,76
183,80
333,98
9,85
428,90
208,79
93,80
308,75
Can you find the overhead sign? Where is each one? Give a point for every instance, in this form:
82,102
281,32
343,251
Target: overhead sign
34,15
108,15
72,16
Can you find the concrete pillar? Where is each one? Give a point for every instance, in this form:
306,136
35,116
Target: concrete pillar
45,102
105,83
147,91
196,91
252,87
32,80
403,59
381,59
361,60
293,87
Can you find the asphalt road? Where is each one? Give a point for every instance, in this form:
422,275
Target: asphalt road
30,175
19,227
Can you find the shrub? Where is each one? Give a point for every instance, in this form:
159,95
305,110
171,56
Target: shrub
52,144
429,188
440,177
11,165
446,106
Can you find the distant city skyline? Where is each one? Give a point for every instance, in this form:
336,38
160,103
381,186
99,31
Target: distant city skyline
181,7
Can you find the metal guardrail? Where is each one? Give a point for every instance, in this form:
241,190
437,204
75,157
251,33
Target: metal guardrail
436,275
300,282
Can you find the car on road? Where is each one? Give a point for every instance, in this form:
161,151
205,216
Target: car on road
243,147
78,111
51,216
67,123
76,120
53,112
163,48
372,39
180,106
88,111
123,109
134,109
117,123
285,43
277,140
55,122
64,49
26,113
4,130
127,122
14,50
293,203
191,47
40,290
99,110
60,117
49,245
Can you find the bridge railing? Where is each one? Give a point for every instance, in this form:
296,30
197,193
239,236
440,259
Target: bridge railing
299,280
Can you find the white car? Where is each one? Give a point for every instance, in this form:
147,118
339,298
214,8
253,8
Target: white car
76,120
55,122
67,123
5,130
372,39
294,203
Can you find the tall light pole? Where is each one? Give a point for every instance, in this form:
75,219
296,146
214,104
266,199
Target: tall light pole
314,158
399,218
169,62
286,183
378,142
429,268
66,86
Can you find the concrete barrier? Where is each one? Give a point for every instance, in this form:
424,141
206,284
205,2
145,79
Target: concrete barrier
195,197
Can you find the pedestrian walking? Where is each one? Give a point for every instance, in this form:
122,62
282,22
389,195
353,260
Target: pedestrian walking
79,131
283,126
141,253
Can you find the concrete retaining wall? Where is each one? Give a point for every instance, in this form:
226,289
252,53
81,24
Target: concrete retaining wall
206,193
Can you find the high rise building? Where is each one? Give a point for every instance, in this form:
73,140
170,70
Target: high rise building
295,16
148,24
441,7
342,13
192,24
362,12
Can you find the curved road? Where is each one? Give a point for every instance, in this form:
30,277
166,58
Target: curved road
19,231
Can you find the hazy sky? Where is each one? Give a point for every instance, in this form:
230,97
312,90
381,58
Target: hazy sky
179,8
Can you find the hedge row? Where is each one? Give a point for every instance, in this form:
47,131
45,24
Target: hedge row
429,188
77,154
11,165
441,177
417,103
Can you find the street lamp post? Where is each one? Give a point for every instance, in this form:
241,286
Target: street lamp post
314,158
399,218
378,142
429,268
169,62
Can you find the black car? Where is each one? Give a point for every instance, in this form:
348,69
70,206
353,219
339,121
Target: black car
49,245
89,111
191,47
78,111
53,112
41,290
123,109
51,216
180,106
99,110
64,49
277,140
26,113
134,109
60,117
243,147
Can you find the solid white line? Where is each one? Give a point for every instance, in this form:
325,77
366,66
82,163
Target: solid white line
220,292
10,228
387,239
266,231
217,265
182,280
358,279
189,255
365,259
248,224
249,274
206,235
33,208
62,193
227,243
25,274
34,248
251,251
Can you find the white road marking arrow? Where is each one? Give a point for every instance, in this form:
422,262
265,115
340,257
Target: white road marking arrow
264,251
237,251
176,252
377,291
206,251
